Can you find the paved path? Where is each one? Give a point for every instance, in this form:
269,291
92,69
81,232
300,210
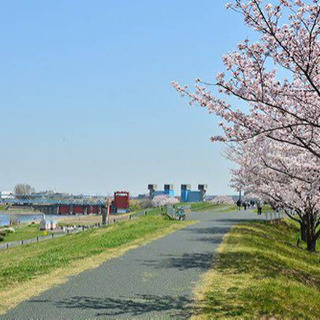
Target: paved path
152,281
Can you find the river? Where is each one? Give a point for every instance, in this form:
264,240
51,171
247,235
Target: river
5,217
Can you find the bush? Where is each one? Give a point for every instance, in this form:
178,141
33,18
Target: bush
2,235
13,219
135,206
146,203
9,230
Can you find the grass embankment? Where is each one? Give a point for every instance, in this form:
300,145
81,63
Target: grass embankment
229,207
207,206
204,206
89,220
81,220
260,273
30,269
24,232
20,209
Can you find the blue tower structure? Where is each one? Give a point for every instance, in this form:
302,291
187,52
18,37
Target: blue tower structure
167,190
185,190
187,195
152,189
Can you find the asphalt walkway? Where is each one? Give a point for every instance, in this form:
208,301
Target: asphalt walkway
154,281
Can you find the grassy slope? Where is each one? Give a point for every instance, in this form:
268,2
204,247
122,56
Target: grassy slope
260,272
94,219
29,231
24,232
26,262
203,206
206,206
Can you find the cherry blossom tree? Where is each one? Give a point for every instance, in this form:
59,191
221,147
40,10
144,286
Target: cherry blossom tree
163,200
278,139
281,176
283,110
222,200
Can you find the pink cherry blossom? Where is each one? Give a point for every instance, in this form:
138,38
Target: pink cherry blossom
277,142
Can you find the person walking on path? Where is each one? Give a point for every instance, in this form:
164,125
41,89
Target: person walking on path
259,207
239,204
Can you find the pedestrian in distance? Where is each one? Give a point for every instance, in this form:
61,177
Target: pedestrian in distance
245,206
239,204
259,207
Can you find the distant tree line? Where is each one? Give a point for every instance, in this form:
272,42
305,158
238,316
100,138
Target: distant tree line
22,189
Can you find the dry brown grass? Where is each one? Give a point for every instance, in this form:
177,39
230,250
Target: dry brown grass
89,219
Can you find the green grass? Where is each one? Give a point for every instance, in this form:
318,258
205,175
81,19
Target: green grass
227,208
206,206
24,232
151,211
261,273
265,208
203,206
87,220
26,262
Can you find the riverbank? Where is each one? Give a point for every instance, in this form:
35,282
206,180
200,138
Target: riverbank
18,209
25,232
65,220
6,217
22,218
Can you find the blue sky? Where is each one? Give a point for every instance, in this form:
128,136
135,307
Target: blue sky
86,102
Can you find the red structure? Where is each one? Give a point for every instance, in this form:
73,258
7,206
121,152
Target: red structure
121,200
64,209
120,204
78,209
93,209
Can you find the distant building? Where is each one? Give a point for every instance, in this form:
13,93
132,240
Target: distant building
6,195
47,224
121,202
142,196
187,195
167,190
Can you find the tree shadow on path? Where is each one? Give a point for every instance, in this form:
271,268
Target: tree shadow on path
232,221
137,306
213,240
210,230
202,261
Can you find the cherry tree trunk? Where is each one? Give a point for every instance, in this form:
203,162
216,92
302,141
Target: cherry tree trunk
303,231
311,239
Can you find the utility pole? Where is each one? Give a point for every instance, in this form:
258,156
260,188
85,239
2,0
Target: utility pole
106,212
